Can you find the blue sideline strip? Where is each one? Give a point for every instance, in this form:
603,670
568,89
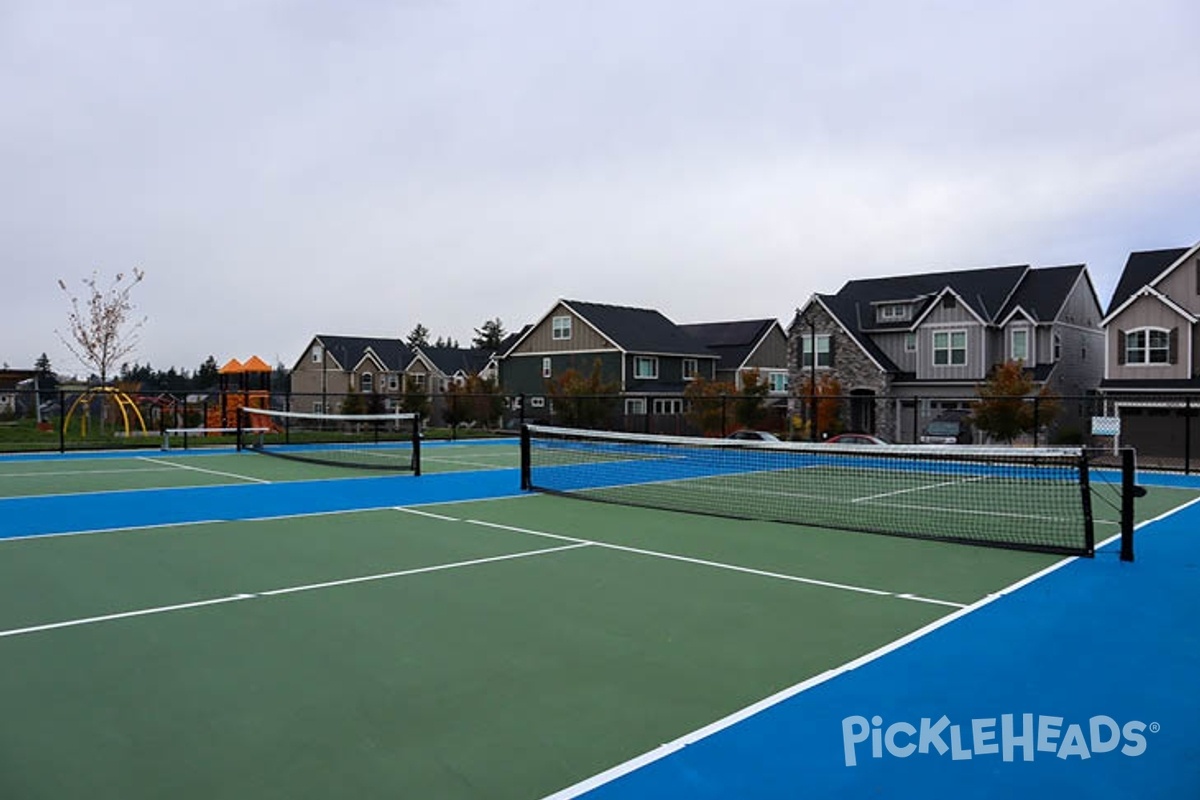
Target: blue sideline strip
81,513
1097,642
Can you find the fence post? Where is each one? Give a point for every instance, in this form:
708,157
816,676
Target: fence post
1035,421
62,421
1187,436
916,420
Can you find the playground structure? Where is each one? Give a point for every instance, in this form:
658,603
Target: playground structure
125,404
242,385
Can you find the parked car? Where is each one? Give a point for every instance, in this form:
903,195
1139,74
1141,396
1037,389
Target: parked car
855,438
950,427
747,435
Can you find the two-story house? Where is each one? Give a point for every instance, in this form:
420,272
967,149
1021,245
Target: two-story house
332,367
904,349
1152,351
646,356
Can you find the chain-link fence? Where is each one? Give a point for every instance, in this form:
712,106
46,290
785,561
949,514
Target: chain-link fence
1163,429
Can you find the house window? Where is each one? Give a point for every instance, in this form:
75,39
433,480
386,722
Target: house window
949,348
635,405
318,354
910,342
537,402
824,353
318,407
668,405
1148,346
367,382
393,381
895,312
561,328
778,381
1019,345
645,367
417,382
546,371
690,368
1057,346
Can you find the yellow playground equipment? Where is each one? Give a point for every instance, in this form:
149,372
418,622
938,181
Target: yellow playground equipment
242,385
124,403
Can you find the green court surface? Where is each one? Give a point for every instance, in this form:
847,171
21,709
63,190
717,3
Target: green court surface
499,649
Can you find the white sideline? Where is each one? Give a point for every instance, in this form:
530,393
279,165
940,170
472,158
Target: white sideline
202,469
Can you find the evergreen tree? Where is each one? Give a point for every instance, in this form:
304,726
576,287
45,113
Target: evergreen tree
489,335
418,336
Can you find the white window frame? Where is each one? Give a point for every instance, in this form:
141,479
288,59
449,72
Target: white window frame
635,406
318,354
366,383
420,381
778,381
895,312
824,354
318,407
668,405
948,348
1146,349
537,402
641,362
393,381
547,369
560,329
1012,344
910,342
691,368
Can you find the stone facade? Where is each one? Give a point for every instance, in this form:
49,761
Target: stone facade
863,383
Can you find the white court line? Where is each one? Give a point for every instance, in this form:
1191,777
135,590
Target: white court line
913,489
201,469
437,460
664,750
702,562
287,590
60,473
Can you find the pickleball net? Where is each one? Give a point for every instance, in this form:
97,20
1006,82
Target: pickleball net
389,441
1034,499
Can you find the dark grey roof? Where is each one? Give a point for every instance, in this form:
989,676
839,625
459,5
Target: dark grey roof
1140,270
348,350
452,359
638,330
1042,292
733,341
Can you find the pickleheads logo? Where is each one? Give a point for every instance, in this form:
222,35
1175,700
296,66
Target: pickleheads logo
1028,734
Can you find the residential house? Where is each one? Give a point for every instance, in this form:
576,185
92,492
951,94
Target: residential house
1152,351
904,349
433,369
745,345
10,380
648,358
332,367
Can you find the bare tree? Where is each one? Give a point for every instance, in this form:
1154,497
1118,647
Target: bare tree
102,333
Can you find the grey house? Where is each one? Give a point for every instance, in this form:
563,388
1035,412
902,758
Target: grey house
904,349
1152,348
648,358
742,345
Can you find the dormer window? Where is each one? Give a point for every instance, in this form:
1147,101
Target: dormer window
895,312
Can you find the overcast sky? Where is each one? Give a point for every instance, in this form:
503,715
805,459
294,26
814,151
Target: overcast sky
281,169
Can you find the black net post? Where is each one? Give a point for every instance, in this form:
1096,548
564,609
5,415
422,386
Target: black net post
1089,523
416,445
1129,491
526,476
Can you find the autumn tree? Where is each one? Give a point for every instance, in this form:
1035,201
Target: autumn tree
1008,406
708,407
827,395
101,333
583,401
474,401
489,335
749,410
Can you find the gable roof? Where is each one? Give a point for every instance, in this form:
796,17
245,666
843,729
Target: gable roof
984,291
1142,269
1043,292
641,330
450,360
732,342
349,350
